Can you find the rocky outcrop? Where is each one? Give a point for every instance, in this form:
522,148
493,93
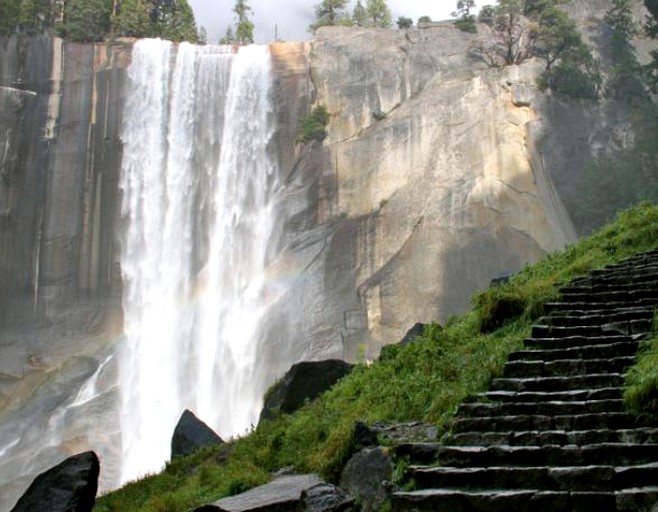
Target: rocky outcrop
68,487
325,498
365,476
192,434
304,381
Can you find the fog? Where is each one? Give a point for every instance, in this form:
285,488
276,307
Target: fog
289,19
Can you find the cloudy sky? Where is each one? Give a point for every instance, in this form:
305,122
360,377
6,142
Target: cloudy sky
292,17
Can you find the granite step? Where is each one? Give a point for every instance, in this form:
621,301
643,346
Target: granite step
605,351
589,381
639,435
636,499
591,306
628,297
596,318
622,327
614,454
547,408
569,342
569,478
609,393
510,423
567,367
620,284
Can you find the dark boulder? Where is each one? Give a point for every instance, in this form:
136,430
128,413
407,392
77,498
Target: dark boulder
191,434
412,334
325,498
366,475
304,381
363,436
68,487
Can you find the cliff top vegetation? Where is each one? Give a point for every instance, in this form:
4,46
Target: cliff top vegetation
424,380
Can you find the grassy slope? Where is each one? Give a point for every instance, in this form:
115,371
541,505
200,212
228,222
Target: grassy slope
425,380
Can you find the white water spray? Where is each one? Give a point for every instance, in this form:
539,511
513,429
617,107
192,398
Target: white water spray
197,186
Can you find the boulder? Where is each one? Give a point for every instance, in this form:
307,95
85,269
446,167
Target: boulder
325,498
191,434
68,487
365,475
364,436
304,381
282,494
413,333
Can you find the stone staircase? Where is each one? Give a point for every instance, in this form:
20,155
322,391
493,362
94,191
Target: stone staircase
551,434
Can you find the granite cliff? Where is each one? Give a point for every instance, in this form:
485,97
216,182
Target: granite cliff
438,174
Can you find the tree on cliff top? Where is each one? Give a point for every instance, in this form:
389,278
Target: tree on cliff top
379,15
331,12
25,16
85,20
244,29
465,20
520,29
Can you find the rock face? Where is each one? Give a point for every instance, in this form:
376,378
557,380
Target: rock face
428,173
68,487
304,381
192,434
60,311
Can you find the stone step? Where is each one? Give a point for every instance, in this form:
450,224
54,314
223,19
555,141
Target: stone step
614,454
628,297
611,393
590,381
598,318
608,351
547,408
620,284
575,341
514,500
510,423
591,306
554,437
623,327
569,478
567,367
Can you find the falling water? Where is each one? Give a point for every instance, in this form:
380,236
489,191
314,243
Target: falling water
197,184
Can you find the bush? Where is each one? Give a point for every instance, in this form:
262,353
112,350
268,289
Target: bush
314,126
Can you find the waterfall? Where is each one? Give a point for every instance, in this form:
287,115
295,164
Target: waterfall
198,185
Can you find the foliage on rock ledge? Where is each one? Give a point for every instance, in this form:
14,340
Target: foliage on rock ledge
424,380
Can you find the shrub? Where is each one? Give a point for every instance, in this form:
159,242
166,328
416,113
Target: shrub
314,126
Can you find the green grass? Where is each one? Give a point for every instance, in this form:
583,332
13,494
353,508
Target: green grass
425,380
641,392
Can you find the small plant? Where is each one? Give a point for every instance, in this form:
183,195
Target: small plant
314,126
641,391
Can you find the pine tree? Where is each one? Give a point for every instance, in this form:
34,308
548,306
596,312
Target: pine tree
359,15
229,37
86,20
131,19
244,31
331,12
379,14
